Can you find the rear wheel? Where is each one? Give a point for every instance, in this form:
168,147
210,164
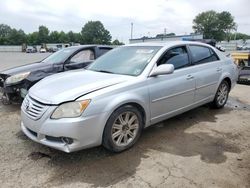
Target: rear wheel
123,129
221,95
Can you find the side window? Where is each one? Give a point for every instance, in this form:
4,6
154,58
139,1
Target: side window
83,56
177,56
104,50
201,54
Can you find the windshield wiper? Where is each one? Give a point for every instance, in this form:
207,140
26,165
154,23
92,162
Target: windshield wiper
104,71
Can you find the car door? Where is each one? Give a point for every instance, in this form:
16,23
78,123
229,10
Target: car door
80,60
172,93
207,71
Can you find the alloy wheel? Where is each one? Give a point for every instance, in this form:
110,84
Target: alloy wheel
125,129
222,94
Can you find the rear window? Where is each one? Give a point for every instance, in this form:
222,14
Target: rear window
201,54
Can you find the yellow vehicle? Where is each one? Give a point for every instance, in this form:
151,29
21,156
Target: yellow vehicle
241,58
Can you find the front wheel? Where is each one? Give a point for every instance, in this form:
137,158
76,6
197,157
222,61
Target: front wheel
123,129
221,95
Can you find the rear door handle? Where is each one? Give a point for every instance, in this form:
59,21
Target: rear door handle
219,69
189,77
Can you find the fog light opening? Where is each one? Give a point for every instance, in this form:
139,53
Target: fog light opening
67,140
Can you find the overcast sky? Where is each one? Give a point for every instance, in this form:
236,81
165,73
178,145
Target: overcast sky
150,17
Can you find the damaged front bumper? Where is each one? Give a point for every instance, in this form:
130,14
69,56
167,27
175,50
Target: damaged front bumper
13,93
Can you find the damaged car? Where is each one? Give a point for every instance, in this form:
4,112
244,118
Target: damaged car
124,91
15,82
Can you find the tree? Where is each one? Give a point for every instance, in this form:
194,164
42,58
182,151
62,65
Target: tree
117,42
238,36
165,35
43,35
54,37
16,37
226,23
214,25
4,33
74,37
63,37
94,32
32,38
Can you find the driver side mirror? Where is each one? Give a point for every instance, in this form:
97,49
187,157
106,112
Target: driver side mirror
162,69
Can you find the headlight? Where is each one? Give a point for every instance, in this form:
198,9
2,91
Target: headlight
70,109
17,78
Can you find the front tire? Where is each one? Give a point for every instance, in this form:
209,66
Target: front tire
123,129
221,95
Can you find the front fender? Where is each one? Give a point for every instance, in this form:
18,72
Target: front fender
110,102
127,99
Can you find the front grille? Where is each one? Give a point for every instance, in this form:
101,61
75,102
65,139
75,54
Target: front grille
33,108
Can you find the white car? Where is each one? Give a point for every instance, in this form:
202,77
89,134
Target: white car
42,50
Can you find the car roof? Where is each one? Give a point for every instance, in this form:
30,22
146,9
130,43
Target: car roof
89,46
168,43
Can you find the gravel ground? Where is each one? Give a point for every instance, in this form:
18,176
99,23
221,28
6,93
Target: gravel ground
200,148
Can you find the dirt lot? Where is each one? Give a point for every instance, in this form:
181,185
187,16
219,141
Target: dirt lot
201,148
10,59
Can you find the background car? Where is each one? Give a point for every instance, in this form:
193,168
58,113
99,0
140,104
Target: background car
53,49
16,82
244,75
124,91
42,50
31,50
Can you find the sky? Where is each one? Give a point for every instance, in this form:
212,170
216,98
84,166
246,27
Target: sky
149,17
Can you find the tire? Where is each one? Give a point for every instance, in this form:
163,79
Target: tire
221,95
123,129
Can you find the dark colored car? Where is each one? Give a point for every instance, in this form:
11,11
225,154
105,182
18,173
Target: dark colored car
15,82
53,49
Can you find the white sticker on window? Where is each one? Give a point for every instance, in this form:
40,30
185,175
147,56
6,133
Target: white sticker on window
144,51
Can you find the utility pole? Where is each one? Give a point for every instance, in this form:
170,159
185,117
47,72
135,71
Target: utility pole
132,27
236,28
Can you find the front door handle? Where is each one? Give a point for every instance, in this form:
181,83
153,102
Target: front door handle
219,69
189,77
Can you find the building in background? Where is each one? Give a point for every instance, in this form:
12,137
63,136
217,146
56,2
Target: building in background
163,38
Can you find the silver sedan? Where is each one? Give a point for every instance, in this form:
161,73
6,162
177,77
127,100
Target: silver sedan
124,91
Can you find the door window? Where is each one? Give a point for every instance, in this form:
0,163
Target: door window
83,56
177,56
201,54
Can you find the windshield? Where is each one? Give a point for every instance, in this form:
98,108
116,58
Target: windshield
59,56
128,60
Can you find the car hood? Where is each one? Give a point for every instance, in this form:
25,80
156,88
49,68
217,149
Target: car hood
25,68
70,85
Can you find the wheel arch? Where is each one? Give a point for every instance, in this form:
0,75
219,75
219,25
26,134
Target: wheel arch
228,80
139,108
